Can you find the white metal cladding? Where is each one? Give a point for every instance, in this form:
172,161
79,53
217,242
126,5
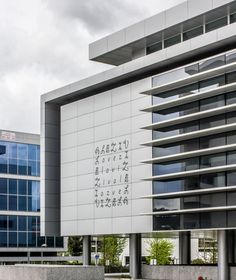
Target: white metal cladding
89,164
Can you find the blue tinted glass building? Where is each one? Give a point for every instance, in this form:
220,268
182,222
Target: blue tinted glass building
20,200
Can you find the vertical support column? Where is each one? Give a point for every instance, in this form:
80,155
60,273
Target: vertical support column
223,270
231,245
87,250
135,255
185,247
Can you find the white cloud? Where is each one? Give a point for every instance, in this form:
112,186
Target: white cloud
44,45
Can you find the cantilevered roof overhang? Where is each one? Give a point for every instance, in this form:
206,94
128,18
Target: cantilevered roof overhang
122,46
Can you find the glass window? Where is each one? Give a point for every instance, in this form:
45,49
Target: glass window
32,239
22,167
38,203
211,64
213,160
12,239
231,117
12,186
212,141
38,169
231,218
3,149
212,102
22,151
22,239
32,152
40,241
12,166
13,202
166,222
3,239
191,221
154,48
213,219
172,41
212,180
231,78
3,202
22,203
212,83
231,158
231,98
32,168
233,18
231,138
12,150
212,122
59,242
3,186
22,223
231,198
32,223
38,223
38,153
193,33
175,112
213,200
12,220
3,165
216,24
50,241
22,187
231,178
231,57
166,204
176,185
190,202
29,187
3,223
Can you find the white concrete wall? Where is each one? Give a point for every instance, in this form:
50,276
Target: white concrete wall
101,126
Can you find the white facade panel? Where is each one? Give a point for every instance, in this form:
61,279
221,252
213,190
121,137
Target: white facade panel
107,173
85,121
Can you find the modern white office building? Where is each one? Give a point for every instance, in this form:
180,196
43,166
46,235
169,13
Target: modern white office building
149,145
20,239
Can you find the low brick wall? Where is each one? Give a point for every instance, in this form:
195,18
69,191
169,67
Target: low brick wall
180,272
51,272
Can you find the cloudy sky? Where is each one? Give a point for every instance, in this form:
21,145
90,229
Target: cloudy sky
44,45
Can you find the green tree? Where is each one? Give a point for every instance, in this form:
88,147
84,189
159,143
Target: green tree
160,250
75,246
112,247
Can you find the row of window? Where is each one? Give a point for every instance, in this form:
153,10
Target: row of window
29,239
195,163
218,120
23,231
189,34
205,181
19,223
20,187
19,151
195,107
195,144
197,201
190,221
193,69
208,84
20,167
19,203
21,159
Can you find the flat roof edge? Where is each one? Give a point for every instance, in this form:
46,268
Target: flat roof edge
125,37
